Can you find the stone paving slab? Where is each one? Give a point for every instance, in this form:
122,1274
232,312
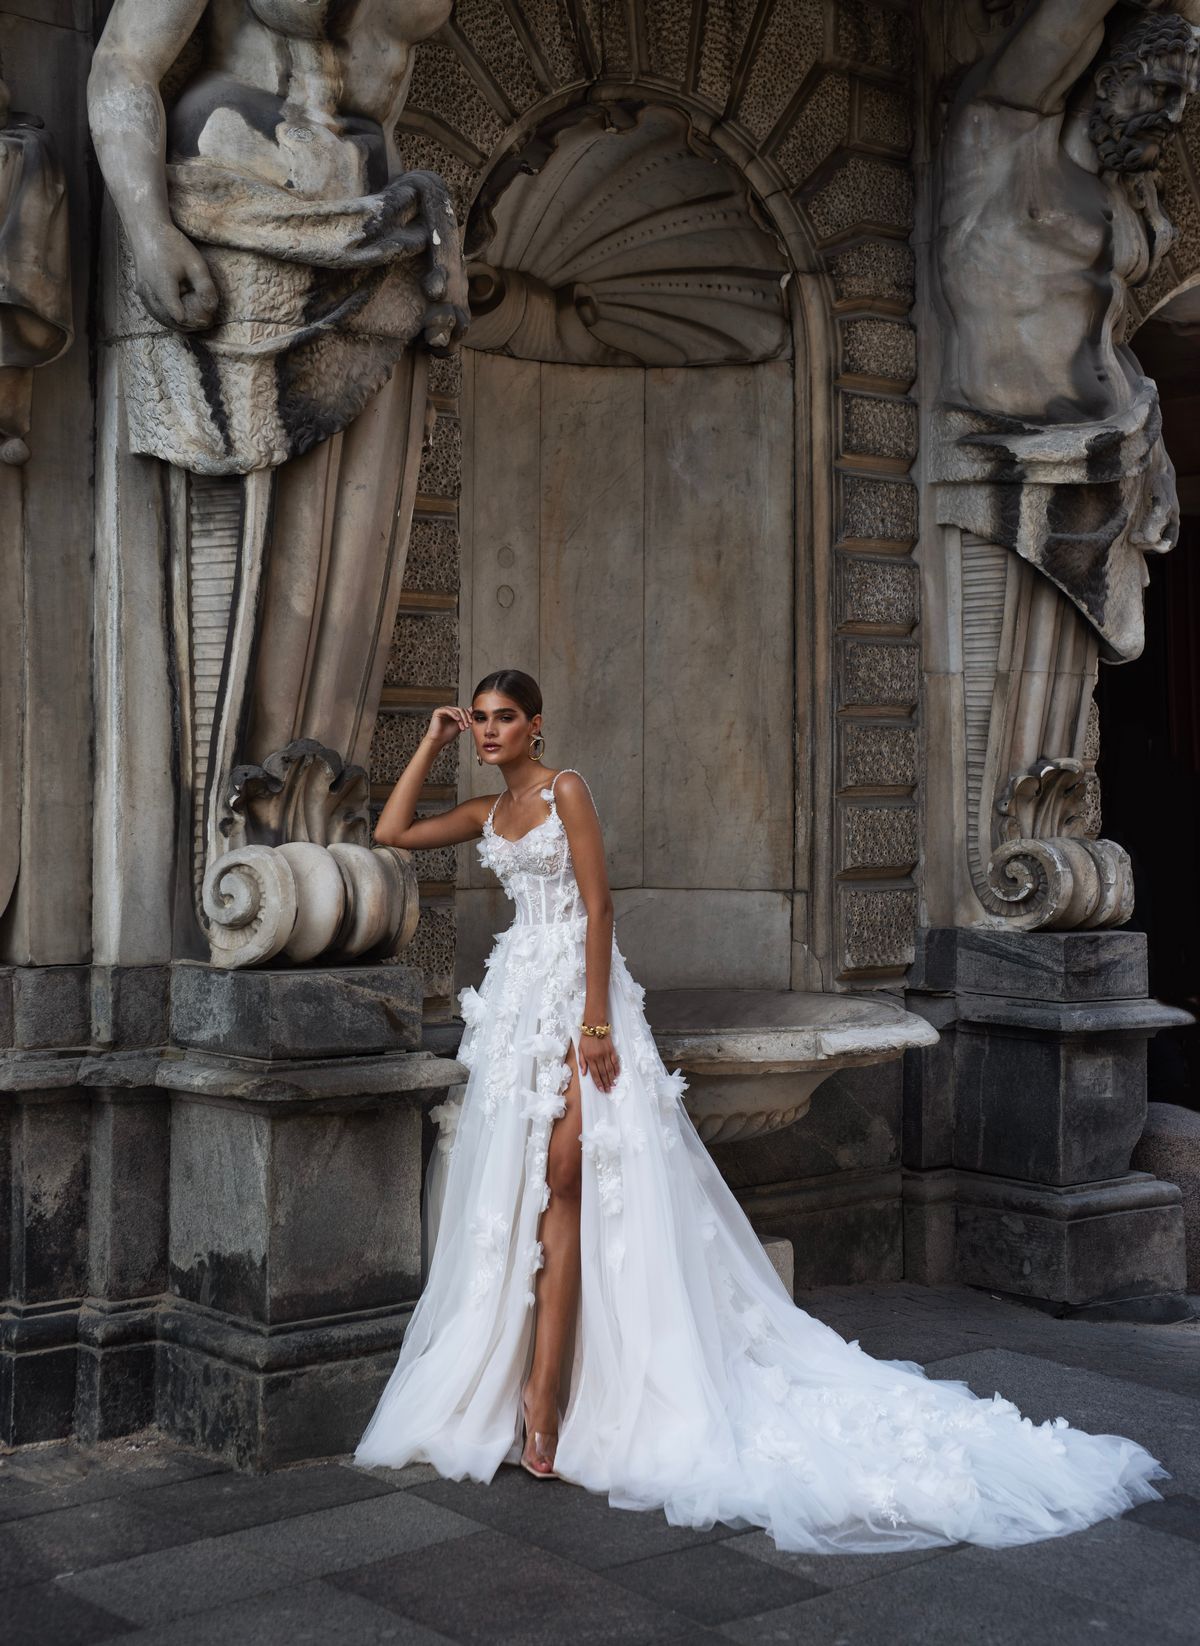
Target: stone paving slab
139,1541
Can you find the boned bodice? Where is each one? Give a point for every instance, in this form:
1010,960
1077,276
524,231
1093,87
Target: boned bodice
536,871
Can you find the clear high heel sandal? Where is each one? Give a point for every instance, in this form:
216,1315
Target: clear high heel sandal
544,1443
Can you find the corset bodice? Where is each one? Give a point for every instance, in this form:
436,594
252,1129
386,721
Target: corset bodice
536,871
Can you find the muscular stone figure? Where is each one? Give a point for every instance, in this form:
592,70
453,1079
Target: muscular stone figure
272,228
35,275
275,269
1049,214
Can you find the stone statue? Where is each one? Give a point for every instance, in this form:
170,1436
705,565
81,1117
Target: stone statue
35,273
274,269
35,328
1048,440
275,238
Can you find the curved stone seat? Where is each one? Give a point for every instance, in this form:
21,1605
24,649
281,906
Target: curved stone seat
754,1057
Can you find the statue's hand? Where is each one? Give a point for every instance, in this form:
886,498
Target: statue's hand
173,280
445,279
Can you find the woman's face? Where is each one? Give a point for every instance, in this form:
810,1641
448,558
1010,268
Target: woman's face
501,728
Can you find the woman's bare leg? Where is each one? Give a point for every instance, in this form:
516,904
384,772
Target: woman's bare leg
557,1282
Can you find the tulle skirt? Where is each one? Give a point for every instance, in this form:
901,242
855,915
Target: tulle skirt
695,1384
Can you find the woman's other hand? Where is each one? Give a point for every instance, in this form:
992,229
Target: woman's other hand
599,1057
446,723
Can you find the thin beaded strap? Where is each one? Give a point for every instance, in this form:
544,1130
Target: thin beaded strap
581,778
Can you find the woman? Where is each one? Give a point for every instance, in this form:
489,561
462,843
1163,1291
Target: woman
594,1280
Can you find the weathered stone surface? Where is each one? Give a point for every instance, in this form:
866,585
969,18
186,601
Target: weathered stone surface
1012,364
879,839
222,1393
44,1007
852,1125
883,511
880,269
873,427
296,1014
397,736
848,1225
1066,966
877,592
877,755
880,348
863,193
441,464
876,672
130,1005
1090,1244
271,1216
1170,1148
930,1243
424,652
877,929
432,563
1048,1108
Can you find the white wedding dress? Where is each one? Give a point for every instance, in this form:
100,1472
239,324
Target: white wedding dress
696,1385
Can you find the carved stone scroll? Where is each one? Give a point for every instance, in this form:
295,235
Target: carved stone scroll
298,878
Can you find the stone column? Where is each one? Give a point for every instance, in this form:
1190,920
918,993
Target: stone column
1020,1124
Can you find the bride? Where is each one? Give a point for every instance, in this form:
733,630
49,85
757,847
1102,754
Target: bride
597,1306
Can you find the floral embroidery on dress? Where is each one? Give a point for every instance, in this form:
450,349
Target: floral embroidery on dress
446,1116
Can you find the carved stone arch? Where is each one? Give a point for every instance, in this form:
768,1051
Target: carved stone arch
808,101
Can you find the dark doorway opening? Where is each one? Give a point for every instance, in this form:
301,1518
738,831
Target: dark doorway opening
1149,763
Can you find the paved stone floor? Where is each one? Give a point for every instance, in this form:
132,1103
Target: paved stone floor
140,1541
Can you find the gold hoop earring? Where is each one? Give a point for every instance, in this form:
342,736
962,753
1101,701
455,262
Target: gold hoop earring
536,754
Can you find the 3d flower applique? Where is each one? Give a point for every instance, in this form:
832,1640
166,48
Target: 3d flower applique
472,1006
602,1146
542,1045
489,1230
615,1255
542,1106
671,1088
446,1117
535,1258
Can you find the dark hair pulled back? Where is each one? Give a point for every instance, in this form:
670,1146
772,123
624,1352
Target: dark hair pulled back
515,683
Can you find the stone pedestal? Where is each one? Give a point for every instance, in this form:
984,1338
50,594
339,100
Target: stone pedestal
1020,1124
294,1247
209,1201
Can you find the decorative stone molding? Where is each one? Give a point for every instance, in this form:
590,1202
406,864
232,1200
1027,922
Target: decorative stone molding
1044,871
298,878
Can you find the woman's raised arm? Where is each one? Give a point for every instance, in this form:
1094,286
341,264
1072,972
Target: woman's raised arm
464,822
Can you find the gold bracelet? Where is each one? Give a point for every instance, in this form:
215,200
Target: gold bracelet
598,1029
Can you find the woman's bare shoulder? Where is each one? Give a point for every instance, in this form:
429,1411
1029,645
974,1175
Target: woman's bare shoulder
570,786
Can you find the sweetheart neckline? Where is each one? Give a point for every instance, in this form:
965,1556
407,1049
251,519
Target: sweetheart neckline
496,835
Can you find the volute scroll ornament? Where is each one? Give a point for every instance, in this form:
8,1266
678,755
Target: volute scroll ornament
1044,871
299,879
